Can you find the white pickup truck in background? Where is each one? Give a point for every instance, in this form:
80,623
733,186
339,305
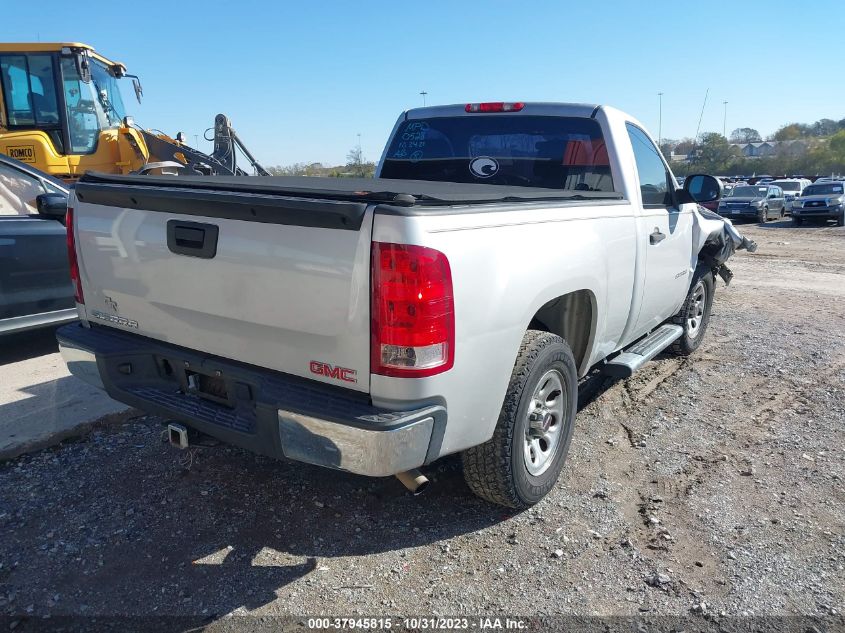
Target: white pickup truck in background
450,305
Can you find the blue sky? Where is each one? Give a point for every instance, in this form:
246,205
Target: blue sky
301,80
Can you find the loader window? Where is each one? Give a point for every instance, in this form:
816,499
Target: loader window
29,87
85,115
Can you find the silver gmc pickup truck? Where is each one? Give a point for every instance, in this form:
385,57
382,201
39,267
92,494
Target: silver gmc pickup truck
450,305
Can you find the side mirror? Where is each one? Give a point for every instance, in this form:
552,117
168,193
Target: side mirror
701,188
52,205
139,89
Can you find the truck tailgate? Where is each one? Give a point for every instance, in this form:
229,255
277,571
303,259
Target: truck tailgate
270,280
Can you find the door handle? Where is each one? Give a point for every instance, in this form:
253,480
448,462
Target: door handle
656,237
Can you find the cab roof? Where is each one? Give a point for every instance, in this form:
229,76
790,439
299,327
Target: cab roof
537,108
55,47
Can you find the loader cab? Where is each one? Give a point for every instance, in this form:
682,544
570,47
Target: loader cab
61,108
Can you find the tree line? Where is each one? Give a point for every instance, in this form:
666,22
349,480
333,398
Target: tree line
357,166
819,149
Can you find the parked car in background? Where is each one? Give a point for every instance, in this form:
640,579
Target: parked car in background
35,286
820,201
792,188
751,202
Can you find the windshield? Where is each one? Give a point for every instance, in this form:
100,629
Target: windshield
788,186
747,192
108,92
822,190
532,151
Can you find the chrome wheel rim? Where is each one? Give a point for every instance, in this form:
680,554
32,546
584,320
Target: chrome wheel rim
695,314
544,423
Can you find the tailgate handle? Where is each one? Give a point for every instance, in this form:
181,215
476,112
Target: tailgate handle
194,239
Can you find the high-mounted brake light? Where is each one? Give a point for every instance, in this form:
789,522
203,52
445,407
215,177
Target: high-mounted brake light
71,256
413,313
494,106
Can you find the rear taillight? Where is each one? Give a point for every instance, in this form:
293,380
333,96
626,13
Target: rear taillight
494,106
71,256
413,313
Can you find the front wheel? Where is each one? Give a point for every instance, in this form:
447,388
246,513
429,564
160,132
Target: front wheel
521,463
840,221
763,216
797,221
694,316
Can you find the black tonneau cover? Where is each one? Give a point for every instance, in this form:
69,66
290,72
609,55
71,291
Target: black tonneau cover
384,190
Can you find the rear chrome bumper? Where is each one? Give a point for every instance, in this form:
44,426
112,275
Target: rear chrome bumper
266,412
365,451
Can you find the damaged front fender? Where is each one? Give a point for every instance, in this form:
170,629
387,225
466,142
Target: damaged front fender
715,239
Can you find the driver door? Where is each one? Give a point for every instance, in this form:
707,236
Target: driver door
665,235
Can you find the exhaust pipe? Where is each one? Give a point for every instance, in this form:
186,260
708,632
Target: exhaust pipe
414,481
178,435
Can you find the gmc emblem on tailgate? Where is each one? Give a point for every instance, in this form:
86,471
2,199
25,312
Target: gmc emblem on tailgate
338,373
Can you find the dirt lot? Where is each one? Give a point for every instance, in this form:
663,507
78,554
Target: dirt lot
706,486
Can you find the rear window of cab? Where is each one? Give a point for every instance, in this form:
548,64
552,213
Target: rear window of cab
566,153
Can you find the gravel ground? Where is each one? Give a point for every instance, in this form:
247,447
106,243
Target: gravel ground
706,486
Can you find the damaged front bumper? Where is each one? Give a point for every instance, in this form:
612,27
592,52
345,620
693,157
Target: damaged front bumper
717,239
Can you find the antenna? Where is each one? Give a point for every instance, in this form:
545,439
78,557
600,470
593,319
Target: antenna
701,116
698,129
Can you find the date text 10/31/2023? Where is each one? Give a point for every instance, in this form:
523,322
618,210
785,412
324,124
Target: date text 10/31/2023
418,623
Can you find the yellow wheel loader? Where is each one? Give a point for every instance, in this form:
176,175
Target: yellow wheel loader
61,111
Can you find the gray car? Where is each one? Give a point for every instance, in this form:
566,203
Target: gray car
820,201
753,202
35,285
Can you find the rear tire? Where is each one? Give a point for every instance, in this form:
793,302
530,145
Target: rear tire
694,316
521,463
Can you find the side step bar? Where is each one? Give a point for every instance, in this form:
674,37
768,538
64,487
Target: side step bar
631,359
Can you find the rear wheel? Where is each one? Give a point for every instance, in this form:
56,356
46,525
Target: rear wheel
520,464
694,316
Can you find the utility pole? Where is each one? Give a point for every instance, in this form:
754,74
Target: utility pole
725,120
423,93
660,120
